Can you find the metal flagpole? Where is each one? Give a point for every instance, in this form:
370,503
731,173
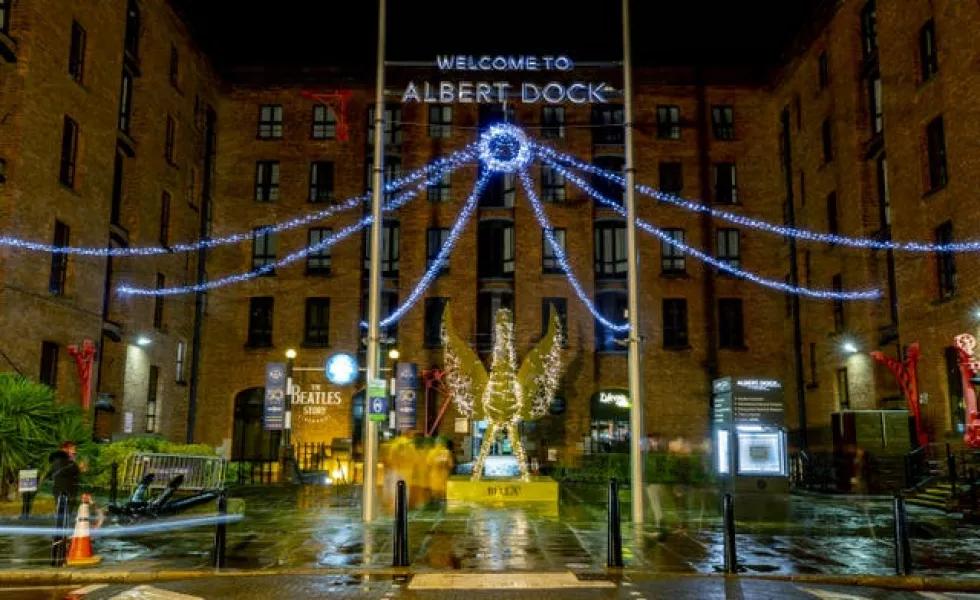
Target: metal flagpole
636,394
374,290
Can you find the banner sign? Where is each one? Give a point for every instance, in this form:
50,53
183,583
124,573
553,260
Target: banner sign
273,416
492,92
378,400
27,480
406,393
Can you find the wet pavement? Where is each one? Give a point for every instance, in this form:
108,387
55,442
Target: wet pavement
343,587
319,527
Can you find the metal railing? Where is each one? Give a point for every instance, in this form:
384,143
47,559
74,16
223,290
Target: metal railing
200,472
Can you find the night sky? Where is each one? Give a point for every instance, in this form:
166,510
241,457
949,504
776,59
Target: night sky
326,32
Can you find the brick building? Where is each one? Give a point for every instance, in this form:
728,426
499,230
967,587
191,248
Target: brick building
158,147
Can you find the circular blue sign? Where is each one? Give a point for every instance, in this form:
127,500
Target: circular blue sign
341,369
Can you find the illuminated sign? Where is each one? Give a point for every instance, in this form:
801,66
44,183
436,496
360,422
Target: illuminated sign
489,92
341,369
620,399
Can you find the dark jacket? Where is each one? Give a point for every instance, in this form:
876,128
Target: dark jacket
64,474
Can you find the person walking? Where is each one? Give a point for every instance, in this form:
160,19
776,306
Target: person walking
64,474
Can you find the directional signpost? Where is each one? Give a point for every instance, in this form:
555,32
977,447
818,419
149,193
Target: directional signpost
378,400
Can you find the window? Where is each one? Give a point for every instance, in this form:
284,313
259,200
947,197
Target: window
668,122
843,393
321,181
125,102
946,262
723,122
59,261
928,56
549,258
267,181
672,260
179,363
552,184
316,330
612,305
802,189
115,208
729,251
954,389
827,139
434,239
318,262
837,284
675,323
884,198
823,71
260,322
390,251
560,306
165,219
391,170
76,53
496,257
936,142
671,177
263,250
324,123
553,122
813,365
132,40
158,303
730,324
440,121
875,110
69,152
869,29
174,67
440,190
433,321
610,250
610,190
170,151
500,191
833,225
392,125
492,113
607,124
153,382
726,186
270,122
49,364
487,304
389,303
5,15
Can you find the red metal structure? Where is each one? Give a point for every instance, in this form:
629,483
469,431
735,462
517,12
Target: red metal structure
969,370
432,378
905,373
335,101
84,358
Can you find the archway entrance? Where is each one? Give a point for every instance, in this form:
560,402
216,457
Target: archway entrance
254,448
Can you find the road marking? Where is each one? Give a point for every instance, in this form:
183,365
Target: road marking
146,592
88,589
502,581
829,594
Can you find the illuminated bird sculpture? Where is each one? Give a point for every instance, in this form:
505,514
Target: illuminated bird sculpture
506,396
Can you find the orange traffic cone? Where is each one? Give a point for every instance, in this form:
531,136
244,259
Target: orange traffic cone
80,552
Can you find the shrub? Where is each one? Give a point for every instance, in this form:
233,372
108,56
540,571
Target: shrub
99,473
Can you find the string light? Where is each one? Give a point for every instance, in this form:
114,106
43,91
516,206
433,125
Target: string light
447,246
552,157
562,258
444,165
504,148
323,244
714,262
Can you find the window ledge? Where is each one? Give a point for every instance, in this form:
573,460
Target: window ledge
258,347
674,275
268,138
811,386
923,83
736,348
173,164
946,300
677,348
181,383
315,345
933,191
319,273
126,142
622,352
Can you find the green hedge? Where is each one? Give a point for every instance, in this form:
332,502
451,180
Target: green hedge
658,468
99,472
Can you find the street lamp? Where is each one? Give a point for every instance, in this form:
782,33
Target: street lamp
288,425
849,347
394,354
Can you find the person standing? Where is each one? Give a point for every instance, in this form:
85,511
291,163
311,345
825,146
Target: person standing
64,474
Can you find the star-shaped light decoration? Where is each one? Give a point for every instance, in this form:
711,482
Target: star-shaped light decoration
341,369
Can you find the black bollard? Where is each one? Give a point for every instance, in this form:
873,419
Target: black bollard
113,483
220,535
614,534
728,514
400,558
903,548
58,544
